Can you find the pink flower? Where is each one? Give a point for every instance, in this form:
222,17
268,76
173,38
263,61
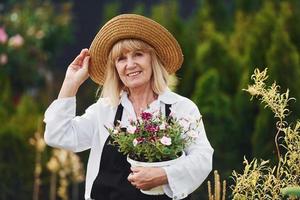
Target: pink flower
3,35
166,141
146,116
140,139
3,59
16,41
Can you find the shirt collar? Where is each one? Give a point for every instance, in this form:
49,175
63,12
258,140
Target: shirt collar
167,97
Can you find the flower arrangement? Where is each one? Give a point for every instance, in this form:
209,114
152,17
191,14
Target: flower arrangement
154,137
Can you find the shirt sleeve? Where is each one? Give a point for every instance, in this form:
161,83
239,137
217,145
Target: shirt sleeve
189,173
65,130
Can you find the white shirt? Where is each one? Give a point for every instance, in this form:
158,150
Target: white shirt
79,133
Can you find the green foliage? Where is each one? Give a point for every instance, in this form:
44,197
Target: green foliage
26,117
283,52
34,31
291,191
16,165
34,39
260,180
222,42
218,12
260,140
209,95
110,10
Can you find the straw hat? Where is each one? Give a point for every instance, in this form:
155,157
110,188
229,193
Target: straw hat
132,26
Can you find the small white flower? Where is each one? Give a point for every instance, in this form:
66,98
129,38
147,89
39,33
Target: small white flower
166,140
131,129
184,124
135,142
139,120
163,126
115,131
121,124
192,133
156,113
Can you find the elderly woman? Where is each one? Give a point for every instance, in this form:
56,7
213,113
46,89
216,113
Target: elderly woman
131,57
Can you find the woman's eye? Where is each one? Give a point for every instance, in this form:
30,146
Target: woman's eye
138,54
120,58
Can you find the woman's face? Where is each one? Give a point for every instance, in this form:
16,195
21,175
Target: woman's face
134,68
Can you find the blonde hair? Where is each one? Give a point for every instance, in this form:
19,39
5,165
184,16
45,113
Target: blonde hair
113,85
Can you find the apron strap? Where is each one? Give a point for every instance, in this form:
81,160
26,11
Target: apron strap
118,115
168,109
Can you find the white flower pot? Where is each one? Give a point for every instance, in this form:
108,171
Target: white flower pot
159,189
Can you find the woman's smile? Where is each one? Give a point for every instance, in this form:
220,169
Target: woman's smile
133,74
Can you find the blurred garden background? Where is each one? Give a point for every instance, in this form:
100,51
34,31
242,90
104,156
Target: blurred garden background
223,42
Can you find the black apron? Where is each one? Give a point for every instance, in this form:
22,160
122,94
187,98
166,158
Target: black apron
111,182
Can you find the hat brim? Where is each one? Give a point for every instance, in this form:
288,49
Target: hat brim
132,26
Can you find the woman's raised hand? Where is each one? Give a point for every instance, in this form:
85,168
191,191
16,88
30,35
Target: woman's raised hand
76,74
77,71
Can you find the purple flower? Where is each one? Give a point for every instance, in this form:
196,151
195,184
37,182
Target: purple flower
138,140
153,139
151,128
137,130
146,116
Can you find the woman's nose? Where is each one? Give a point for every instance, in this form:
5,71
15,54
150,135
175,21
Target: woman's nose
130,62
